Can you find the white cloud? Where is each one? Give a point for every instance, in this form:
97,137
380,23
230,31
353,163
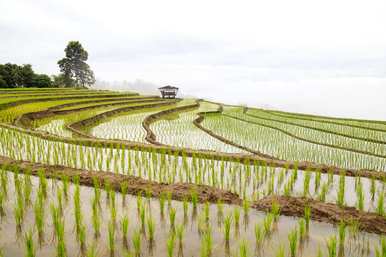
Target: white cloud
286,54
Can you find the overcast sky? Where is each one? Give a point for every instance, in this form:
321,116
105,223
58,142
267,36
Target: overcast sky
325,56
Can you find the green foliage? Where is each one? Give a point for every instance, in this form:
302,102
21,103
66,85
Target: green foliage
75,70
13,75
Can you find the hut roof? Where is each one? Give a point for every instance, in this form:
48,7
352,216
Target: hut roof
168,87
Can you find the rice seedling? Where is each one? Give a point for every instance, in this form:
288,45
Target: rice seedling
125,228
382,251
96,223
2,200
111,238
172,218
307,216
293,242
331,246
267,223
306,183
227,228
302,229
259,235
150,228
206,211
236,217
280,251
372,188
323,192
360,197
142,217
124,188
341,189
39,218
380,203
185,208
137,243
275,210
82,238
243,248
29,244
206,244
170,244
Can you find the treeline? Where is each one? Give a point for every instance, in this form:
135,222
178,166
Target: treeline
13,75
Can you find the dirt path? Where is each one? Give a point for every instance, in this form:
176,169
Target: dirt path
290,206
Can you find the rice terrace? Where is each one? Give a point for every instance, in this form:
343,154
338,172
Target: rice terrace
103,173
209,128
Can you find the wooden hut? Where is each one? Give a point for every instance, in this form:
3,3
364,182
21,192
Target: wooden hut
168,91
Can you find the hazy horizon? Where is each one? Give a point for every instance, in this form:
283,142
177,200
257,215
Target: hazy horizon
324,57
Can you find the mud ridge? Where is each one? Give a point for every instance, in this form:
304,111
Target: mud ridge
150,135
26,119
33,100
201,116
289,206
324,212
86,140
76,127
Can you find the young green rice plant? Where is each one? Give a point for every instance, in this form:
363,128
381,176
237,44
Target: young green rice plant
194,198
293,242
372,188
360,197
227,228
280,251
259,235
318,177
111,231
150,228
18,213
162,204
27,188
96,223
124,188
382,251
236,217
91,251
267,223
243,248
331,246
42,182
342,233
65,181
185,206
169,198
172,218
29,244
125,228
306,183
206,244
206,211
2,200
246,206
220,212
170,244
142,217
180,230
82,238
341,189
4,182
113,210
39,218
77,210
380,210
323,192
302,229
137,243
307,216
275,210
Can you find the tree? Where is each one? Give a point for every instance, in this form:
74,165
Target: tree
41,80
26,75
75,70
3,84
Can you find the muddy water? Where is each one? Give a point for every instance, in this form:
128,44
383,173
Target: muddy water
13,245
